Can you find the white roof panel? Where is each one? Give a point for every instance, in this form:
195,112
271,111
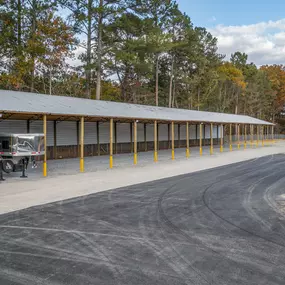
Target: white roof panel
24,102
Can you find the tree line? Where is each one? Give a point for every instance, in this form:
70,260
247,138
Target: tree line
136,51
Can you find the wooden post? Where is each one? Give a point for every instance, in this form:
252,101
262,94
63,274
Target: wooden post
45,145
82,144
262,135
168,133
257,135
155,142
179,135
272,134
172,142
144,135
222,138
200,138
251,135
135,143
245,136
98,138
54,140
111,143
187,140
238,135
211,138
231,140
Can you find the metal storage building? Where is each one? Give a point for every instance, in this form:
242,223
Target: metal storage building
81,127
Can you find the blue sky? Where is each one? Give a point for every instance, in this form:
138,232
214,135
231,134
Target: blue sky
251,26
232,12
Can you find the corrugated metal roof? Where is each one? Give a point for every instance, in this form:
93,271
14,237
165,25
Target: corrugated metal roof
24,102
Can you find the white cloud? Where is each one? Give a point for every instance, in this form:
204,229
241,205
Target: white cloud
263,42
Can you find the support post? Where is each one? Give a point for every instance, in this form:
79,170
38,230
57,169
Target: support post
238,135
179,144
251,135
231,139
201,141
187,140
211,136
257,135
168,134
111,143
98,138
262,135
135,143
54,140
82,144
144,135
222,138
155,142
45,146
245,136
272,134
172,141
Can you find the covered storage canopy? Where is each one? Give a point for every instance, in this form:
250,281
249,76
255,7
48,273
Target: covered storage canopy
21,104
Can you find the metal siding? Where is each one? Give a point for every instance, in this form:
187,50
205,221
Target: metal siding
10,126
37,127
149,132
207,131
175,132
90,133
123,132
66,133
140,132
182,132
192,130
163,132
104,132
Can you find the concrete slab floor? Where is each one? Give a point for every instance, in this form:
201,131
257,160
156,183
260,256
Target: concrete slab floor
65,181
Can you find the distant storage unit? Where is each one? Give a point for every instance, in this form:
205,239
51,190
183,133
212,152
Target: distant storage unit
75,127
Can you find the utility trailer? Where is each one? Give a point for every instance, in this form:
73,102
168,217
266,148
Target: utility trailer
17,150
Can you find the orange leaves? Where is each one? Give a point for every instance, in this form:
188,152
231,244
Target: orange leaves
53,40
229,72
276,75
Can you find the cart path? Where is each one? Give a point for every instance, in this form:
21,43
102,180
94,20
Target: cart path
220,226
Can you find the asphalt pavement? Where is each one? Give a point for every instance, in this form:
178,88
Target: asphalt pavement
220,226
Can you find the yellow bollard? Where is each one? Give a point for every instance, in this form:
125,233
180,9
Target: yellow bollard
155,157
187,141
82,144
111,143
231,146
211,136
135,143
